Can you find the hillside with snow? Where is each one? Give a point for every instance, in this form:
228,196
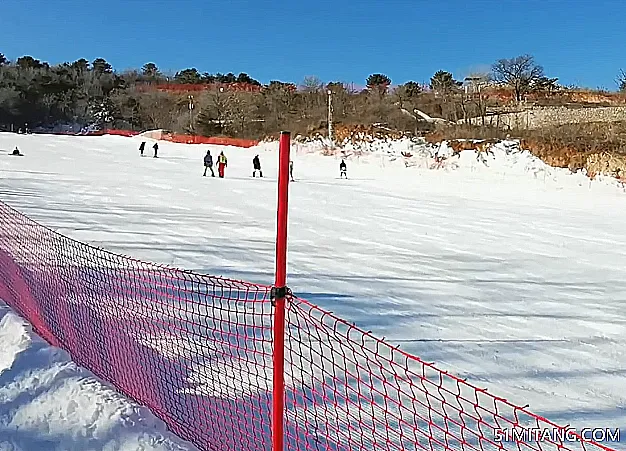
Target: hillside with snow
494,265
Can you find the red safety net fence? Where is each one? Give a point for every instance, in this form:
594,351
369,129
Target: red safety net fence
222,141
183,139
197,350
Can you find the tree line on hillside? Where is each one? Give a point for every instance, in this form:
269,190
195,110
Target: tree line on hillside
91,93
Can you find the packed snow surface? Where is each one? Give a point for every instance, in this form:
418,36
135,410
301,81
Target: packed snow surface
497,267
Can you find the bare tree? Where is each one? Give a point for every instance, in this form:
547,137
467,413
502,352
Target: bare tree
157,109
213,106
520,73
240,109
312,84
279,98
313,98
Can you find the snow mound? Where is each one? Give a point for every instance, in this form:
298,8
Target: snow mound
152,134
505,159
48,402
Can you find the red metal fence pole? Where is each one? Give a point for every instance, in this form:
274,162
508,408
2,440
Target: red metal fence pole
279,292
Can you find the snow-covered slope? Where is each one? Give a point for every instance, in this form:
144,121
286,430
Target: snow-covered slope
497,267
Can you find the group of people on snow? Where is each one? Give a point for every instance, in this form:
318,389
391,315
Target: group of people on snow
142,147
222,163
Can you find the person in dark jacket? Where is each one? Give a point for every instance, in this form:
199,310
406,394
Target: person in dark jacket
16,152
208,163
142,147
156,149
256,163
291,170
343,170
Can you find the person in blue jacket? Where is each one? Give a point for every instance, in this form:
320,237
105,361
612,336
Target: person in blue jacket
208,163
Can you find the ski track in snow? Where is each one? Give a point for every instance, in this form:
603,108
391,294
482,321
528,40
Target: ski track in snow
511,274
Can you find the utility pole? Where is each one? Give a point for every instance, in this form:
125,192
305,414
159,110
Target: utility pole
330,115
220,112
191,106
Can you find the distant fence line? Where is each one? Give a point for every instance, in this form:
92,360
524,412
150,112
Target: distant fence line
174,137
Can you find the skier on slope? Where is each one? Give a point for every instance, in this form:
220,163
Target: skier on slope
343,170
142,147
208,163
256,163
222,163
156,149
291,170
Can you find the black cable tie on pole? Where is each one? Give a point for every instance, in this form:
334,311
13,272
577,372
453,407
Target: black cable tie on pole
279,293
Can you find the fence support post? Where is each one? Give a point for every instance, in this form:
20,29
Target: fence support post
279,293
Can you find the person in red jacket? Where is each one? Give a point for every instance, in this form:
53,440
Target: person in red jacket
222,163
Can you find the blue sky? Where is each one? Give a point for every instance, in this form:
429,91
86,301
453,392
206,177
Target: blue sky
579,41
